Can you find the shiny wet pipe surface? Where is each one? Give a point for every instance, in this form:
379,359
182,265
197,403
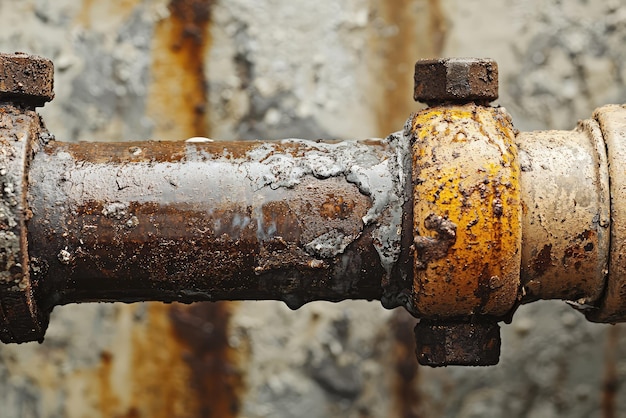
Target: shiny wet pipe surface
458,218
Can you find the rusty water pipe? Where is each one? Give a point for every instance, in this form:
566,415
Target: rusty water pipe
290,220
457,217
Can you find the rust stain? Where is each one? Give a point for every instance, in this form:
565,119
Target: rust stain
610,384
543,261
93,11
160,377
419,31
178,95
336,207
180,366
406,385
109,401
205,365
202,328
144,375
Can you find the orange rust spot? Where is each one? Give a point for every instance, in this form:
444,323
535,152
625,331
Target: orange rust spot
178,94
335,207
418,31
543,261
587,235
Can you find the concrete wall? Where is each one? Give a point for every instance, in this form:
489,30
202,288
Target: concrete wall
171,69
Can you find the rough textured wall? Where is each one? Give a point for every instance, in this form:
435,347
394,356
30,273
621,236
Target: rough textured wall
172,69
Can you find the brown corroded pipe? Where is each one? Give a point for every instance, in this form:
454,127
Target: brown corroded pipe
292,220
298,220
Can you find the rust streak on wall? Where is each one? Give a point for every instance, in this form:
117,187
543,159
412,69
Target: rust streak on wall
437,27
109,401
178,94
406,368
204,366
160,378
117,10
418,30
202,328
611,378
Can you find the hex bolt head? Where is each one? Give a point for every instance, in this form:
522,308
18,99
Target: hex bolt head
458,80
463,343
26,80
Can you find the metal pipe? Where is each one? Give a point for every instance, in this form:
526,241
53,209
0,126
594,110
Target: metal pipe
457,218
292,220
565,195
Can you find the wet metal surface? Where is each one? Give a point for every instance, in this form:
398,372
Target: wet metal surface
292,220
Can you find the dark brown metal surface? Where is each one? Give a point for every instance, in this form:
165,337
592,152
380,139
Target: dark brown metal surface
471,343
458,80
186,222
26,79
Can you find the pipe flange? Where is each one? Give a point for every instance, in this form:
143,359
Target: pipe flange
20,318
612,307
467,212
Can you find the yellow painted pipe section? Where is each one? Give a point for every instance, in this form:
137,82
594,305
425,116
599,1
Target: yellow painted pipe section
467,212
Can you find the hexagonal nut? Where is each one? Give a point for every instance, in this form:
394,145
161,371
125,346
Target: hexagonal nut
458,80
470,343
25,79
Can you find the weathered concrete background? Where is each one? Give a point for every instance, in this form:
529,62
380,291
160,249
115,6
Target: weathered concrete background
171,69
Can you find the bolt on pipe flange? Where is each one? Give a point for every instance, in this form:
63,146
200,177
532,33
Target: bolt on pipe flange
26,80
458,80
465,343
